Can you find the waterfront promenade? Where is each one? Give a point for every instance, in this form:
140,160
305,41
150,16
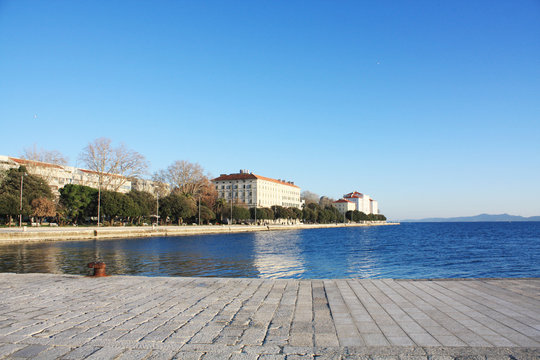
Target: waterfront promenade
46,316
46,233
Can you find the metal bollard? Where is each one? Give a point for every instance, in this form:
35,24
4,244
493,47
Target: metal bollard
99,268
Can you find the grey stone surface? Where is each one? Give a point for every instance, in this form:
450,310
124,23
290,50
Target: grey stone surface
44,316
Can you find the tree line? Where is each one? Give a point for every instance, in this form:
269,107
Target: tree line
77,204
183,194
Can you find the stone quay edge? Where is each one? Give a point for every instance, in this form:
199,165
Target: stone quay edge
14,234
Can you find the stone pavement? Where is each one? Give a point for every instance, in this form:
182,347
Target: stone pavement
44,316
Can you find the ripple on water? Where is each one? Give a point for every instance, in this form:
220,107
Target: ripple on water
411,250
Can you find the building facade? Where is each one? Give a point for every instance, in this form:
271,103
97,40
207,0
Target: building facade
58,176
257,191
344,205
360,202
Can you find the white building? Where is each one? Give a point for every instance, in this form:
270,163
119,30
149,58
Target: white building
374,206
255,190
361,202
57,176
344,205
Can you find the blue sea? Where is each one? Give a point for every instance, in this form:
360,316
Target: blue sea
406,251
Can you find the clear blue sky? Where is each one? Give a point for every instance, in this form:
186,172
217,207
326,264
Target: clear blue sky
431,107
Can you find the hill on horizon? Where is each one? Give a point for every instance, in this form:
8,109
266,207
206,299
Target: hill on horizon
477,218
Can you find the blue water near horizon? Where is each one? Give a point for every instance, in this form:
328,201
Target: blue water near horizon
406,251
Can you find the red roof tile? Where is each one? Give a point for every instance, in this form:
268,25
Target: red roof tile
34,163
354,194
250,176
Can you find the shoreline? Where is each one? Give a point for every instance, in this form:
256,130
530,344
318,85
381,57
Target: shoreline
16,235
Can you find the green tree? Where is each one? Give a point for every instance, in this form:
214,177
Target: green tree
297,213
111,204
241,213
177,207
309,214
9,206
34,187
206,214
219,208
78,201
262,213
326,216
145,204
282,212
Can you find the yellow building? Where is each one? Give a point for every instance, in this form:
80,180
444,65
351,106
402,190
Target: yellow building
255,190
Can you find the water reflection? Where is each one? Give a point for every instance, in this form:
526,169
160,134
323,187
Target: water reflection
406,251
279,256
362,260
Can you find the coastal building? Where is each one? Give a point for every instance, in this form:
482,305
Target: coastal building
58,176
344,205
256,190
360,202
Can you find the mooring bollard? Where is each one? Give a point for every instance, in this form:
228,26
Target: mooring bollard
99,268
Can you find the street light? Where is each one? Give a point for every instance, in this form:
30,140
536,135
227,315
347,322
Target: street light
20,208
255,213
232,200
157,208
99,199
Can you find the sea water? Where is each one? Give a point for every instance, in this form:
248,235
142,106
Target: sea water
407,251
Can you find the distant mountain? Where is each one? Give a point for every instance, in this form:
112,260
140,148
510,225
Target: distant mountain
481,217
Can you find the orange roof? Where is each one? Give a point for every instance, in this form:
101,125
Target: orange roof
245,176
354,194
35,163
342,201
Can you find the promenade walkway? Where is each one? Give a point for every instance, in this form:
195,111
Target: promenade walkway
44,316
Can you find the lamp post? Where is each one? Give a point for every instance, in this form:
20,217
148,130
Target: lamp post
199,209
232,200
20,207
98,200
157,208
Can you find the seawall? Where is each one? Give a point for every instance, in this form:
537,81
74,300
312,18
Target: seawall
8,235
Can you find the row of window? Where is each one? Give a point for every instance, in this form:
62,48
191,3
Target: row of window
218,187
225,194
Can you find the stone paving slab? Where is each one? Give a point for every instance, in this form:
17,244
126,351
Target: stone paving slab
46,316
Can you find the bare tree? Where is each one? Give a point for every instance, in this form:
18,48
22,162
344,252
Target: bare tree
113,166
185,177
309,197
37,156
46,156
325,201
